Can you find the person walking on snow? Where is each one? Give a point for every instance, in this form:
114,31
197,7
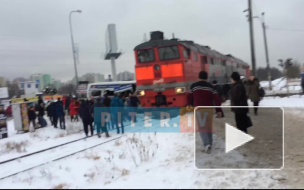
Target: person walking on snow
59,114
117,107
50,111
254,86
302,81
41,120
98,126
74,110
84,113
32,117
202,93
238,98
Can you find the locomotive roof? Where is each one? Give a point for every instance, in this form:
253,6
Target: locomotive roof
189,44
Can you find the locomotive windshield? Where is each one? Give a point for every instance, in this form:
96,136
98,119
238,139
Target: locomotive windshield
145,55
167,53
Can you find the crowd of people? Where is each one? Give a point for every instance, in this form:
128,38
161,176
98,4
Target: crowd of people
83,109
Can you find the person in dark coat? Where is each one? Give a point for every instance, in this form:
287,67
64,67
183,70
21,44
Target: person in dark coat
32,116
302,81
41,113
116,108
67,104
107,101
50,112
100,129
219,91
40,101
133,104
84,113
254,86
59,114
238,98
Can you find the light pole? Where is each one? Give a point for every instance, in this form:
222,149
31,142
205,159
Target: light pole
250,19
266,50
73,48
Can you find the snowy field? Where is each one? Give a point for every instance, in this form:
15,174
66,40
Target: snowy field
140,160
279,86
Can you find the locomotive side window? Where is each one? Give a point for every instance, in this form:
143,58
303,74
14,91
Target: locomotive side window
145,55
167,53
194,57
204,59
185,54
224,63
212,61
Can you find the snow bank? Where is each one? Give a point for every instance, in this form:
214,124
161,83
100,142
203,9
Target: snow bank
279,86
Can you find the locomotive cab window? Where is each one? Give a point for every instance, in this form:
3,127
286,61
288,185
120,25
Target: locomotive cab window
167,53
145,55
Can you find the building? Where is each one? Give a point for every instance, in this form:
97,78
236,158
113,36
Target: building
2,82
42,80
47,80
91,77
125,76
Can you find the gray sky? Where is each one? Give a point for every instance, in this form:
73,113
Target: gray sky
35,36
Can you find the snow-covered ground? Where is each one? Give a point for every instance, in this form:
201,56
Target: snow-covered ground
279,86
140,160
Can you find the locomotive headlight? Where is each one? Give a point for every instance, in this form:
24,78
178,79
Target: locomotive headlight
180,90
141,93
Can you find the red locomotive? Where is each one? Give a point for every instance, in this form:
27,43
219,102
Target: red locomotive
165,69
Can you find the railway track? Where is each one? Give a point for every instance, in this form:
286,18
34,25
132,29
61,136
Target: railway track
25,163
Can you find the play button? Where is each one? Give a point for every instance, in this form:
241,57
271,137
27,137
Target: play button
235,138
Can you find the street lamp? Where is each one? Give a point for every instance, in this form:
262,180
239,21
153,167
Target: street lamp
73,48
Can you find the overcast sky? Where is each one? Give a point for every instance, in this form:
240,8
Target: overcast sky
35,36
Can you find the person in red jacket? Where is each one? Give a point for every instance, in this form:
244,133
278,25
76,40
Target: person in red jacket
8,110
74,111
202,93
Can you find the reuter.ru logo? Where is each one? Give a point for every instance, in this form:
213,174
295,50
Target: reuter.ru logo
158,81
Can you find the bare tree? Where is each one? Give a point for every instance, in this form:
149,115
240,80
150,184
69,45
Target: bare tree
294,70
67,89
262,73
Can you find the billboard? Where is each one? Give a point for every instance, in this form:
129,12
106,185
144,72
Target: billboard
30,89
111,40
4,92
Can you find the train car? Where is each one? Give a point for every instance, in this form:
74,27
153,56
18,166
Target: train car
110,88
165,69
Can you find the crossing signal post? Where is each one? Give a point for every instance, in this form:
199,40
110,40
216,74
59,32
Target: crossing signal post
285,65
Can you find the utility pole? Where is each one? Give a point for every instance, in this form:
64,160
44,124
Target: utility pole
266,50
73,45
251,38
